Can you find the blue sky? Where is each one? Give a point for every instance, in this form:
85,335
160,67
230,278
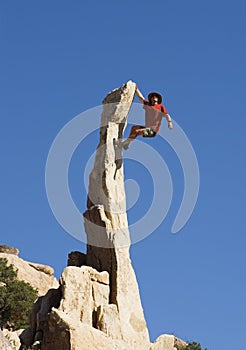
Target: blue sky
60,58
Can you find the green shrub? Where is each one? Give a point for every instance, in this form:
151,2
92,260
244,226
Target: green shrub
16,298
7,273
193,346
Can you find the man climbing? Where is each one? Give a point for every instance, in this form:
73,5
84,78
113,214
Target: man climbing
154,112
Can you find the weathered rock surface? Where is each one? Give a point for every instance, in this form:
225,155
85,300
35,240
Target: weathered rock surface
106,220
9,340
42,268
82,290
97,306
38,275
8,250
78,315
167,342
108,321
4,342
73,335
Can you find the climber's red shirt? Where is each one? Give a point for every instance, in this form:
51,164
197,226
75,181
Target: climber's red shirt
154,115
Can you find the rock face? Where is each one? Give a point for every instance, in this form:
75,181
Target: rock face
38,275
4,342
167,342
76,314
10,340
97,305
8,250
106,221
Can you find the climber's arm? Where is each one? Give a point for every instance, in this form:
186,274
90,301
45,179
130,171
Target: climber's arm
169,120
139,95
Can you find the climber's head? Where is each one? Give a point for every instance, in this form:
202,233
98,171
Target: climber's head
154,98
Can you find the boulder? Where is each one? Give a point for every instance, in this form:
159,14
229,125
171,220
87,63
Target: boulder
108,321
39,276
82,292
167,342
9,340
42,268
4,342
8,250
66,333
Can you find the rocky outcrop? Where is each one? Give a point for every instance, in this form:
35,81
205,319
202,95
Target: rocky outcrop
69,314
106,221
168,342
78,315
4,342
39,276
75,335
9,340
97,305
8,250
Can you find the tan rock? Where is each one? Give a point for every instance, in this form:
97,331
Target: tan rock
106,221
13,338
164,342
167,342
98,306
83,289
100,294
107,174
179,344
38,279
108,321
101,277
4,342
8,250
66,333
43,268
77,294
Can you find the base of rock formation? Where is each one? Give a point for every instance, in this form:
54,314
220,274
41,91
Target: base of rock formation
78,316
